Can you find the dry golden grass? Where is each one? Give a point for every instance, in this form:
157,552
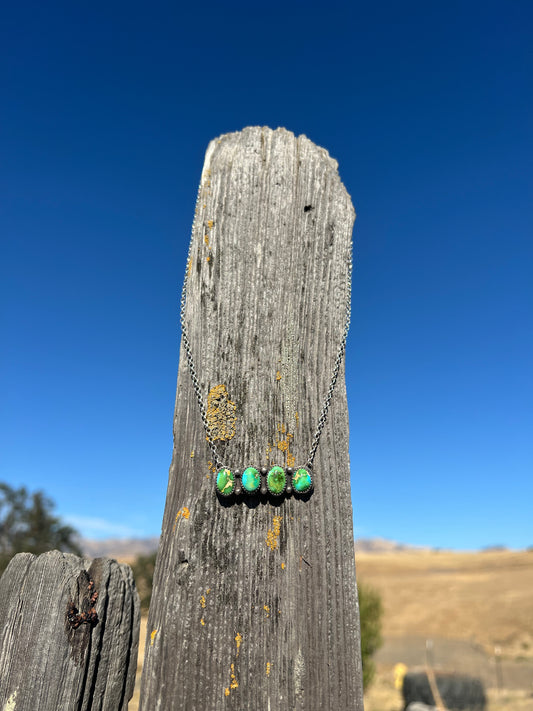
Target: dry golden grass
134,703
482,598
486,598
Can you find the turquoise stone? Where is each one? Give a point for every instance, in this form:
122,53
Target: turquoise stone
276,481
225,482
301,481
251,479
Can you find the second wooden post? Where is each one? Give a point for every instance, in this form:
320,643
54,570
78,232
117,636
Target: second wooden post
254,602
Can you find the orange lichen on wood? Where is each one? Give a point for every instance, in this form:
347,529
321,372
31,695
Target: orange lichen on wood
272,539
203,600
152,637
266,608
268,668
183,512
234,684
221,414
206,240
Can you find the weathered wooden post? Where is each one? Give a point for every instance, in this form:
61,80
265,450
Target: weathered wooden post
254,602
69,633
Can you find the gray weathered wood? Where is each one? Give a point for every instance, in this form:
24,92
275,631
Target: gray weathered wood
254,603
47,664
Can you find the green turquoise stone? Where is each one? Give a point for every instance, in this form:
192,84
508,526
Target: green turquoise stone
251,479
276,481
301,481
225,481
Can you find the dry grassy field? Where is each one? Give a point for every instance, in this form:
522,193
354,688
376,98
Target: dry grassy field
467,604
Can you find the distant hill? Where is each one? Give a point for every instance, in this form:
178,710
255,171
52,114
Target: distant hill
130,547
119,547
383,545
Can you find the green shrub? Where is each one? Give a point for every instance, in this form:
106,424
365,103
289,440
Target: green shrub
143,572
371,610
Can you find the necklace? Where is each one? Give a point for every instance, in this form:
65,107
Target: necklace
252,480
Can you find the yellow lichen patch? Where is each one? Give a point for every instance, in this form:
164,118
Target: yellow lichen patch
203,600
212,467
272,539
152,637
234,683
192,454
283,566
210,224
278,375
202,622
266,608
297,418
206,240
220,413
184,512
268,668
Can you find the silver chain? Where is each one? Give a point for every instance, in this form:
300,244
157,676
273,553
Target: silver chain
196,383
336,367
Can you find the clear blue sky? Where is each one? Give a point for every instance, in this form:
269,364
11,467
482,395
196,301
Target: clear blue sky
106,112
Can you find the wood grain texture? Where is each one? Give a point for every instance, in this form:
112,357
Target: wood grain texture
48,665
254,603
